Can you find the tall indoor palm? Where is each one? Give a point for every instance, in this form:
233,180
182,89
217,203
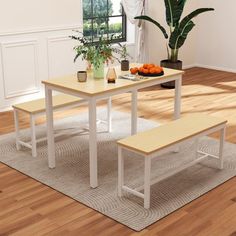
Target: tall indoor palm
179,29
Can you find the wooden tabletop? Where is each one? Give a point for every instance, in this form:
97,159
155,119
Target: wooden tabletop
153,140
100,86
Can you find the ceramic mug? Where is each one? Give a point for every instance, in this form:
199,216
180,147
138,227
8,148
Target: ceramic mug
82,76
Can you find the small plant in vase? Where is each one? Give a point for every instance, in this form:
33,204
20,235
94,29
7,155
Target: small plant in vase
95,53
124,55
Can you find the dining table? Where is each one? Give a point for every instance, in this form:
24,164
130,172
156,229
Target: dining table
96,89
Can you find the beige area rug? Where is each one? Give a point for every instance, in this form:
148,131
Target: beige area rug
71,175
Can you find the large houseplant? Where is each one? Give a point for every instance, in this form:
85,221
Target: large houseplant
96,53
179,30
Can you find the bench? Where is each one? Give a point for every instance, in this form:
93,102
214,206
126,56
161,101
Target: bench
36,108
152,143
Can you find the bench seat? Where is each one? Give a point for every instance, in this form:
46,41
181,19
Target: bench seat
38,105
152,143
153,140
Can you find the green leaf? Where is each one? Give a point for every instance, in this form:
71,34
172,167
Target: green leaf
181,31
193,14
179,36
174,10
147,18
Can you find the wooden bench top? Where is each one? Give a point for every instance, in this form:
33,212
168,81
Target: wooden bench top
38,105
153,140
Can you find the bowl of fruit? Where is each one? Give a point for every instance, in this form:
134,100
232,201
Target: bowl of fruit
150,70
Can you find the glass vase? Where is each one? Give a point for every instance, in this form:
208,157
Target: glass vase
98,73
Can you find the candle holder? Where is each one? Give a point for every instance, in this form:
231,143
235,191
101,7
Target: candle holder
111,75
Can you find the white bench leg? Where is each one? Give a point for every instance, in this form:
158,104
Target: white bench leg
120,171
17,130
221,149
177,106
109,118
33,136
147,181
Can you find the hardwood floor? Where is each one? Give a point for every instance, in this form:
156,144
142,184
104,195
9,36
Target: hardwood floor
28,207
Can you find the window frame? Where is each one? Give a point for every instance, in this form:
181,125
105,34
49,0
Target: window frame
107,16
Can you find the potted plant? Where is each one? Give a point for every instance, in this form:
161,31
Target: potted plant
96,53
179,30
124,55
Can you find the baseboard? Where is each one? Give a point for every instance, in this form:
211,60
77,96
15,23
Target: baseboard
6,108
189,66
216,68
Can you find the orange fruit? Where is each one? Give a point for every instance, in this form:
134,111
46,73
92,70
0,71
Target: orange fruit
145,66
145,71
149,66
134,70
152,70
140,69
158,70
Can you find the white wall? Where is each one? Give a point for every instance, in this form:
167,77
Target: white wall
35,46
31,14
157,43
216,37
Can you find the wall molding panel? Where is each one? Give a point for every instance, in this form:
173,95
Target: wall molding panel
40,30
29,56
20,67
61,55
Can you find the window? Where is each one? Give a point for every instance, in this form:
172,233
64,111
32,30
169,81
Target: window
104,17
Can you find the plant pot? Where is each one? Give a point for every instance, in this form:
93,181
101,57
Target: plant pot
98,73
124,65
172,65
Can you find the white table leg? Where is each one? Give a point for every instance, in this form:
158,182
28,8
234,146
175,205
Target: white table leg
50,134
177,109
177,106
221,149
109,117
147,182
120,171
17,130
33,136
93,143
134,112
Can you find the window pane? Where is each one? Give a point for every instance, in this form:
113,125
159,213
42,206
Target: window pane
103,17
116,8
100,8
87,28
100,27
115,26
87,8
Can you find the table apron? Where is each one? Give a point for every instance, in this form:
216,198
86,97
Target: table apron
135,87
